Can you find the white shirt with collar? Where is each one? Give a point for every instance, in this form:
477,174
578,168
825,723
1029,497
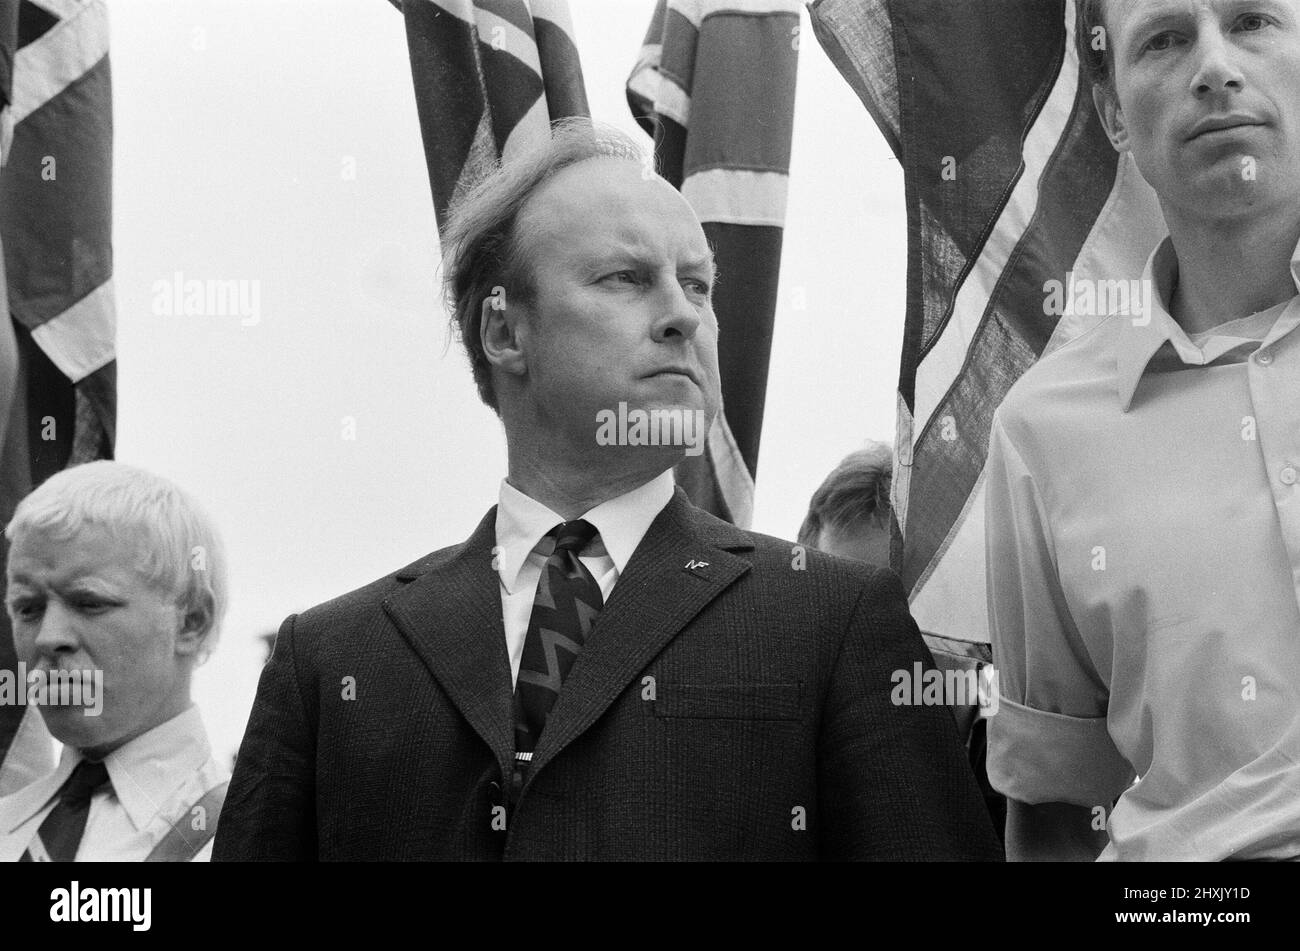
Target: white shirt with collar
30,754
155,780
1143,552
522,548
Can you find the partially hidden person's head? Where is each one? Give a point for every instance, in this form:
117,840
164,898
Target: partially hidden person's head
1205,95
581,284
849,513
116,588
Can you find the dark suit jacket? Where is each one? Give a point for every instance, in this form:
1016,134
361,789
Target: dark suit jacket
737,709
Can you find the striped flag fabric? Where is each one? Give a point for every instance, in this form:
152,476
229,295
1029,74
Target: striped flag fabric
714,84
1014,197
8,49
9,718
490,77
58,388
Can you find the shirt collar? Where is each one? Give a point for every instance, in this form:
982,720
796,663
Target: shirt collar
1143,339
18,807
144,772
147,771
622,522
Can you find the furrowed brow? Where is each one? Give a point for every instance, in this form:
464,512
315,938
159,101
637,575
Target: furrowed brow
1283,11
705,264
1160,18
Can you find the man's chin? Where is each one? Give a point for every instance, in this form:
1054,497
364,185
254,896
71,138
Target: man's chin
1222,185
657,425
75,727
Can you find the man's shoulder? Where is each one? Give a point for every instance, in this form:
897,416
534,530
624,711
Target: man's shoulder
1076,379
350,606
361,603
788,567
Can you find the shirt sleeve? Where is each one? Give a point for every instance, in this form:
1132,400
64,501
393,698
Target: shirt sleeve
1049,740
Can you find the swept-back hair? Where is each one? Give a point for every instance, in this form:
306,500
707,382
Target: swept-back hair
482,245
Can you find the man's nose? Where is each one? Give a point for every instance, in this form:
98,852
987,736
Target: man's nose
57,632
1216,69
679,316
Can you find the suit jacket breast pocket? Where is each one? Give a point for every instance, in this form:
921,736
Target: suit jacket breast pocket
729,701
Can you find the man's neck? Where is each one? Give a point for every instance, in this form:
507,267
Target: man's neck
165,713
572,486
1229,270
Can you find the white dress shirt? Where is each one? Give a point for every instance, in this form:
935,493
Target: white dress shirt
1143,539
522,547
156,779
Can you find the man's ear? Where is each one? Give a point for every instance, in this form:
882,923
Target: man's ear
196,623
501,331
1112,117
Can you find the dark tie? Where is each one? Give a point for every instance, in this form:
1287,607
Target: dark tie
60,834
565,607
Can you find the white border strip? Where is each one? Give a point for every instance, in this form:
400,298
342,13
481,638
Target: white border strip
738,197
645,84
942,364
950,599
6,134
557,11
697,10
733,479
671,100
462,10
45,68
530,132
501,34
81,339
63,9
1128,229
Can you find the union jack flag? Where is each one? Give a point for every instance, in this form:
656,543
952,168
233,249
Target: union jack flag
1012,187
57,317
715,84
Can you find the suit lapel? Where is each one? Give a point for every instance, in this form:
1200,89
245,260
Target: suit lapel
656,596
450,613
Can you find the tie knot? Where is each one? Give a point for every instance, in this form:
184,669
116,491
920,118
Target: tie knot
85,779
573,536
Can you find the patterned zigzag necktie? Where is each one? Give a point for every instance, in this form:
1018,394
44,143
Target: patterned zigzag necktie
60,833
567,603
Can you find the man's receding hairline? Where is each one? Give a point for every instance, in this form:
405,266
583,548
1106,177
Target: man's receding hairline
542,187
546,183
526,227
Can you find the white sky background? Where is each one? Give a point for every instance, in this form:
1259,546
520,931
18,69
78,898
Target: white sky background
233,122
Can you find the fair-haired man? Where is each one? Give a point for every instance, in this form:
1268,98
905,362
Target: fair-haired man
601,671
1143,499
116,589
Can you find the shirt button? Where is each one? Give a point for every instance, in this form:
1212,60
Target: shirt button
1264,358
1289,475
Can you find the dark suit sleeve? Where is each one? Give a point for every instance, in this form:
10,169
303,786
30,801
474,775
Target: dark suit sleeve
894,782
270,808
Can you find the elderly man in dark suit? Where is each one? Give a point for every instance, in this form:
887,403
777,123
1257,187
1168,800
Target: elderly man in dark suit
601,671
